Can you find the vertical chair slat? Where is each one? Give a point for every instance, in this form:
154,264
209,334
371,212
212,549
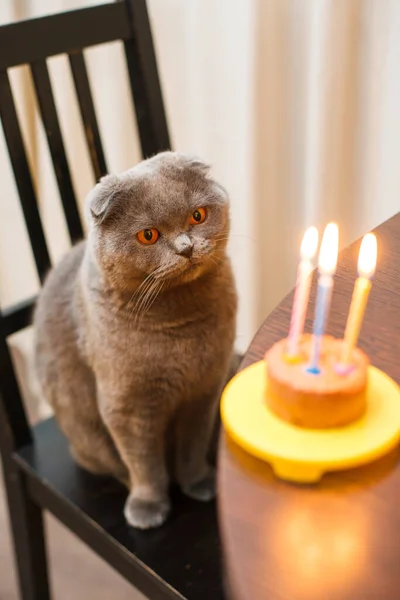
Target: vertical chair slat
44,92
22,174
26,518
11,405
145,82
84,95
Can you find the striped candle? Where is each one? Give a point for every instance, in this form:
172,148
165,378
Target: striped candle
327,267
302,292
366,270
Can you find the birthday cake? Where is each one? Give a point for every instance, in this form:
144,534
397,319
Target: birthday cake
332,398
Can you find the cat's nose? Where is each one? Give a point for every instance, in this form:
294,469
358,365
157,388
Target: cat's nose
184,245
186,250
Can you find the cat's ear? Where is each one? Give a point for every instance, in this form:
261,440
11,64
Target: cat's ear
197,164
101,198
220,191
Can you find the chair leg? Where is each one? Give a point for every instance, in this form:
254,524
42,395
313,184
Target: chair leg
28,535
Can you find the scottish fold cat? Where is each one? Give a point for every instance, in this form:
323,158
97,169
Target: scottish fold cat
135,328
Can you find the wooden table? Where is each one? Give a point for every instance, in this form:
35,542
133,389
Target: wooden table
339,539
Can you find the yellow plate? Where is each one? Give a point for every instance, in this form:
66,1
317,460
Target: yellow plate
304,455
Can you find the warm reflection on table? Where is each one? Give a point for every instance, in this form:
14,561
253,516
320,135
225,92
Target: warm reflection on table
338,539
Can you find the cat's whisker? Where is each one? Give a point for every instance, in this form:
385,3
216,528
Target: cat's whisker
145,296
167,269
149,298
142,290
234,235
139,298
140,304
140,287
152,297
138,307
145,287
216,262
215,255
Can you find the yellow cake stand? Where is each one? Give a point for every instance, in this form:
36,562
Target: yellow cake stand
304,455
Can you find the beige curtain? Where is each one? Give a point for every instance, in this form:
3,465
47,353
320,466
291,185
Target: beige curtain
294,102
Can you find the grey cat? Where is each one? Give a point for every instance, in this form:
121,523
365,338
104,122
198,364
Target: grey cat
135,331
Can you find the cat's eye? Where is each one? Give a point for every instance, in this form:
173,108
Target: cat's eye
199,216
148,236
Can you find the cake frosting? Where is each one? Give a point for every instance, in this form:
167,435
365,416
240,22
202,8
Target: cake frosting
332,398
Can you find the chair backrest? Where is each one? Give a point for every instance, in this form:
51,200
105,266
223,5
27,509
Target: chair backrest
32,42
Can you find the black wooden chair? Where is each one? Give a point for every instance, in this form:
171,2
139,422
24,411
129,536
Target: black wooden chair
181,559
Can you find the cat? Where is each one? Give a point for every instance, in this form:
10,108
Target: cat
134,331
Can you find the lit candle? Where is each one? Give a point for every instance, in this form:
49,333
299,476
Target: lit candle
327,266
302,292
366,269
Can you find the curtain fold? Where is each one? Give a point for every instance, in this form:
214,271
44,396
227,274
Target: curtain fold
294,103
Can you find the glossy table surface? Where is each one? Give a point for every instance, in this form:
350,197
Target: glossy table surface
338,539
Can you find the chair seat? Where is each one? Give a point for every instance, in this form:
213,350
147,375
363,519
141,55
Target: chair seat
180,559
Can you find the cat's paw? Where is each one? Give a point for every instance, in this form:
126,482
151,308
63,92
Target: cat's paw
204,489
144,514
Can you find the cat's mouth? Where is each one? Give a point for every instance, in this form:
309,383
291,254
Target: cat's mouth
189,268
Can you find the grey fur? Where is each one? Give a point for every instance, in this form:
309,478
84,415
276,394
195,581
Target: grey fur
133,363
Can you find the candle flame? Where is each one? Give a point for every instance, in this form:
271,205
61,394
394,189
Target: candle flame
309,244
329,250
367,256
